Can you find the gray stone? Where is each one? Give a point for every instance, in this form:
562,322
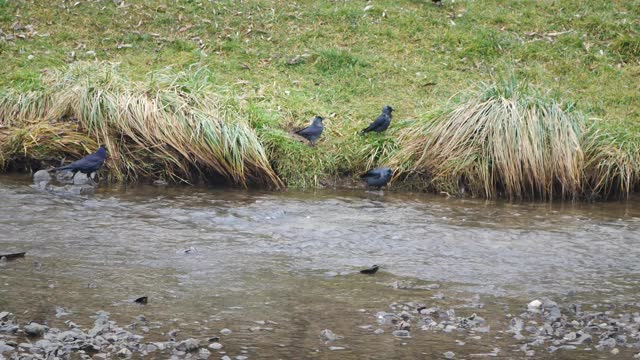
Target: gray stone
188,345
215,346
401,333
5,348
204,353
41,176
34,329
329,335
378,331
449,355
225,331
124,353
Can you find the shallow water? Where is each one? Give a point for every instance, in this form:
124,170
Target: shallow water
292,257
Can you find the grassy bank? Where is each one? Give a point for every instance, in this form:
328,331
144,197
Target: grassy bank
263,68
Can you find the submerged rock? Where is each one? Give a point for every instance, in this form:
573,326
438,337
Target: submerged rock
329,335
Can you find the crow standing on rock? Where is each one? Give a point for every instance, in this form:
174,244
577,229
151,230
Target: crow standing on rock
382,122
377,177
313,131
88,164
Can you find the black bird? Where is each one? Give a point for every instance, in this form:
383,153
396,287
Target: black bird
377,177
313,131
370,271
382,122
88,164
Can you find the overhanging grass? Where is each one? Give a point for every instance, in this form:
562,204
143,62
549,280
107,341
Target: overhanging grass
170,126
501,143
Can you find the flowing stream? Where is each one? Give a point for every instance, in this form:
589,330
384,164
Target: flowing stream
289,261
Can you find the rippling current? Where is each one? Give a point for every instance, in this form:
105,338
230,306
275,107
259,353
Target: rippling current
251,249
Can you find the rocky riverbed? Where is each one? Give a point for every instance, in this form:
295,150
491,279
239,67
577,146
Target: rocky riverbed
541,327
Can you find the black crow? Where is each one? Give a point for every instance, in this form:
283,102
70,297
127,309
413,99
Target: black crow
88,164
377,177
370,271
313,131
382,122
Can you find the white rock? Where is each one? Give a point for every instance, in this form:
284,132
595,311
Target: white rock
534,306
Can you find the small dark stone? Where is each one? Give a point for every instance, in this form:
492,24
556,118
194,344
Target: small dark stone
370,271
142,300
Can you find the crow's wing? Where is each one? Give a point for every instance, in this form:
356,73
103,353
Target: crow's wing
373,173
90,161
376,123
309,131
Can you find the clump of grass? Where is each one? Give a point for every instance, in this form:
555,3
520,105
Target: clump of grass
172,125
612,168
501,143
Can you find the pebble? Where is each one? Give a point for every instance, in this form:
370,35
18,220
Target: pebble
329,335
334,348
378,331
188,345
401,333
215,346
449,355
225,331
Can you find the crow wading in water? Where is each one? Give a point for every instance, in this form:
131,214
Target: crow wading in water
381,123
313,131
88,164
377,177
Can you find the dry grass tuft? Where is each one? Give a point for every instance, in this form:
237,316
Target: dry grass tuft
500,144
172,126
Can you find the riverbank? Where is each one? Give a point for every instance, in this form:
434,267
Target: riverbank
210,92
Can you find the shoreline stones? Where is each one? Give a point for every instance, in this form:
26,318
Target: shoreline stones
105,340
544,326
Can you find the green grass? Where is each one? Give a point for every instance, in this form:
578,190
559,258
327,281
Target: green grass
409,54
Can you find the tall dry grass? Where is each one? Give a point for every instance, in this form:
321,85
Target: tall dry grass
502,143
171,125
612,168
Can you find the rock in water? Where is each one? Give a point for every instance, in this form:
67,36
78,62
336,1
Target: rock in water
329,335
142,300
534,306
41,179
80,179
449,355
34,329
188,345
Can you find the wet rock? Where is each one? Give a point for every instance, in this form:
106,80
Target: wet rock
401,333
188,345
449,355
80,179
329,335
241,357
34,329
403,325
225,331
378,331
204,353
215,346
4,348
336,348
534,306
124,353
